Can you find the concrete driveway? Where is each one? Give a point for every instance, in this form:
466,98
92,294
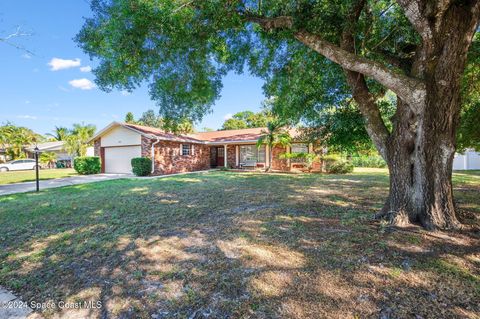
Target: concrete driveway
59,182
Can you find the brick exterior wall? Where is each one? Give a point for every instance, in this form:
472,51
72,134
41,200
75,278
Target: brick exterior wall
96,147
168,158
277,163
231,156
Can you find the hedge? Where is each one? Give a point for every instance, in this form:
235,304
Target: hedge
141,166
369,161
86,165
340,167
335,164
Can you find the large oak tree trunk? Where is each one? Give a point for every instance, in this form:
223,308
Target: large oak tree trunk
419,150
420,155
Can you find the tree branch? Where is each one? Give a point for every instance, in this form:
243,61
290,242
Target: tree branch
414,11
409,89
18,33
270,24
375,125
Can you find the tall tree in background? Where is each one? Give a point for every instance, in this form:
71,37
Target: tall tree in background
129,118
77,142
149,118
14,139
59,134
247,119
178,126
312,54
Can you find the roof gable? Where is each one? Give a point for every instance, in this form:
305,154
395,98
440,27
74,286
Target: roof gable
149,132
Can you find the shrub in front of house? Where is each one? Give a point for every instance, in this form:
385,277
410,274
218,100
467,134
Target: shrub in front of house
86,165
141,166
335,164
308,159
340,167
369,161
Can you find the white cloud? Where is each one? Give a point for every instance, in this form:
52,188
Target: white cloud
28,117
82,84
87,68
61,64
228,116
125,93
26,56
27,102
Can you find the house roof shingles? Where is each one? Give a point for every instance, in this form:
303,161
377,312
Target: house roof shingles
226,136
248,134
161,133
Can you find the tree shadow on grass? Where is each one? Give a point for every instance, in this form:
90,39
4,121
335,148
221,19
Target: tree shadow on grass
229,246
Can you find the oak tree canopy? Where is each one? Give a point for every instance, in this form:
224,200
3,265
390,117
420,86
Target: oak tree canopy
312,54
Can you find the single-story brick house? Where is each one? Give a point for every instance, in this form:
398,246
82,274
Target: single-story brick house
119,142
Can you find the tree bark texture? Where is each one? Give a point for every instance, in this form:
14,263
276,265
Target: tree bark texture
419,150
421,146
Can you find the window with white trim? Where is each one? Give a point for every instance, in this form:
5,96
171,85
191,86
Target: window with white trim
186,149
252,153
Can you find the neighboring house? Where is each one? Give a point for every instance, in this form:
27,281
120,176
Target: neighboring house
119,142
469,160
56,147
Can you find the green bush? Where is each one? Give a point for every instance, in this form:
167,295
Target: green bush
306,158
340,167
335,164
141,166
369,161
86,165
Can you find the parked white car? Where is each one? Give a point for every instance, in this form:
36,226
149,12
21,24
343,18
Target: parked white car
18,165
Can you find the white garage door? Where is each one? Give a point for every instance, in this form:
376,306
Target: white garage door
118,159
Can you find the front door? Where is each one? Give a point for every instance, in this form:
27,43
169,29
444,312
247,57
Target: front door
220,156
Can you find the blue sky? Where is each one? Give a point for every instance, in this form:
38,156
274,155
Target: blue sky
35,96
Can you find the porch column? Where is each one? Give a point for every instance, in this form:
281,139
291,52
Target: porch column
225,156
236,156
267,155
288,149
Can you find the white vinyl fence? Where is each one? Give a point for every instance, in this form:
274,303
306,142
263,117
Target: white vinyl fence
469,160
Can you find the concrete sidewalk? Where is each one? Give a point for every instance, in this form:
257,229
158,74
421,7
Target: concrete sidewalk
12,307
59,182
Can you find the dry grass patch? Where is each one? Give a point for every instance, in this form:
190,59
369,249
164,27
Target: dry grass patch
238,245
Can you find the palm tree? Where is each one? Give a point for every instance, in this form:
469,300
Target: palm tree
59,133
76,144
48,158
276,134
15,138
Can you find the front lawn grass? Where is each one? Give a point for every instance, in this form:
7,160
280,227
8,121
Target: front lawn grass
28,176
238,245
